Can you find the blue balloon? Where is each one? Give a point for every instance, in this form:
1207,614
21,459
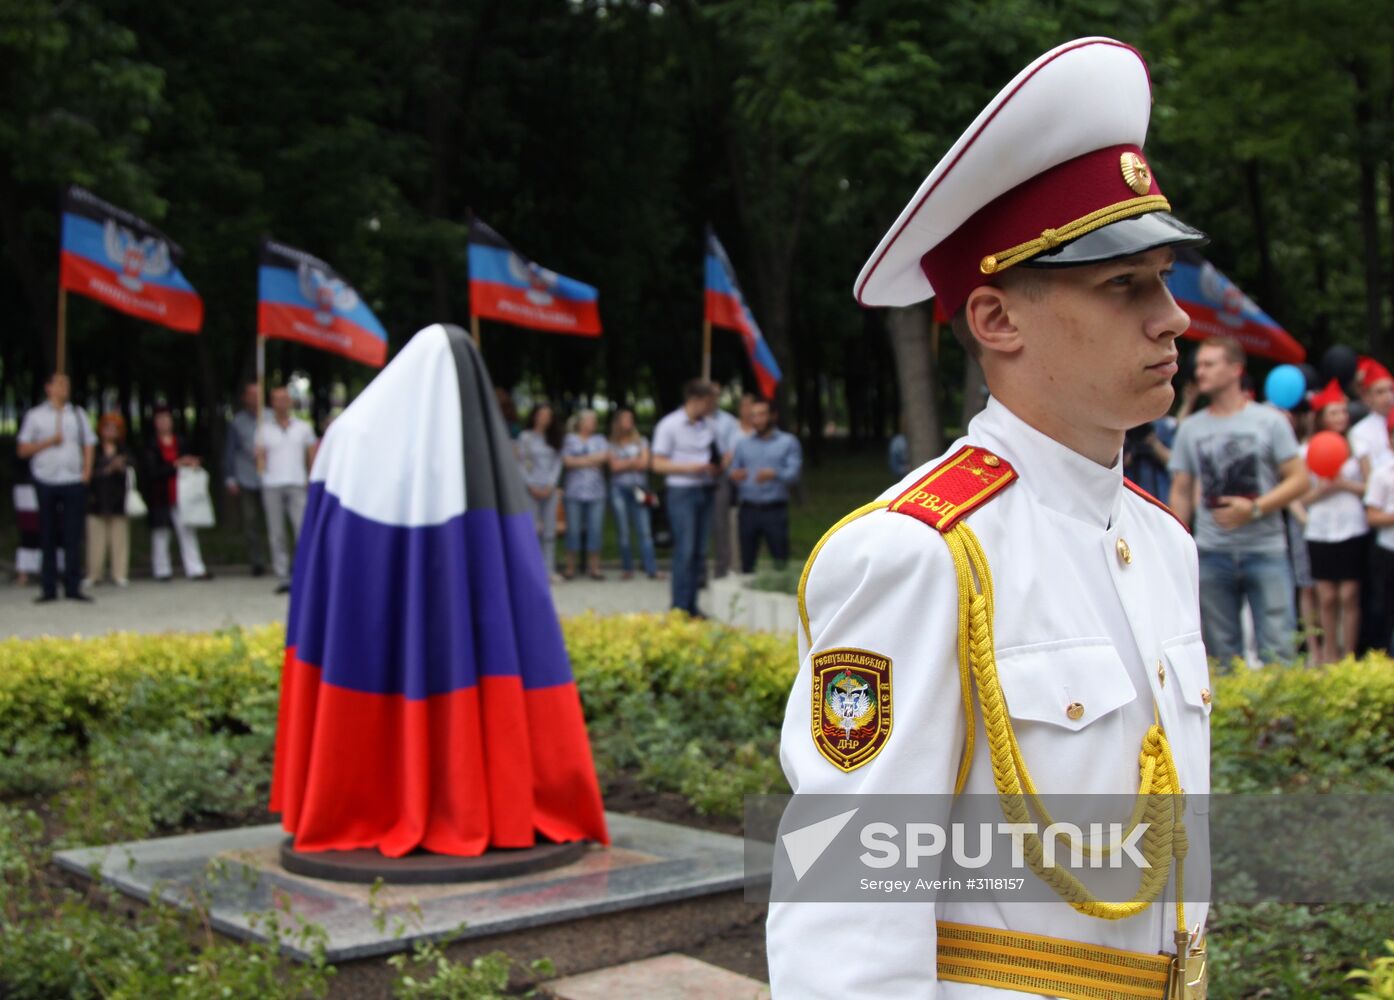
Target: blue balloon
1285,386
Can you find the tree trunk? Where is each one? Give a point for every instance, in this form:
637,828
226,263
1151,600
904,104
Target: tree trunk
1389,211
919,397
1369,215
1268,284
40,294
974,390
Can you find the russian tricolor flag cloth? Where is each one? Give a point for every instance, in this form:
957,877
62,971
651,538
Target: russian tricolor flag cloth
122,261
301,298
506,286
426,697
1217,306
725,307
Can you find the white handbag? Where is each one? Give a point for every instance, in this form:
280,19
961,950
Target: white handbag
195,503
135,503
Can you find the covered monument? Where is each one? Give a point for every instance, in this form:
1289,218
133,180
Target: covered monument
427,702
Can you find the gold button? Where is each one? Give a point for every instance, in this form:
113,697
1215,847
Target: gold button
1125,554
1075,711
1161,673
991,461
1205,696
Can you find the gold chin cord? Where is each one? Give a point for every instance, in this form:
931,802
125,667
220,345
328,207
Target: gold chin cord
1159,800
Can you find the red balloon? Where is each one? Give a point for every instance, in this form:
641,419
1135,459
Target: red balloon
1326,453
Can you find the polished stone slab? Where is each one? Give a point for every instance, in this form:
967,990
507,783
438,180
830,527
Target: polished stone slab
648,863
664,977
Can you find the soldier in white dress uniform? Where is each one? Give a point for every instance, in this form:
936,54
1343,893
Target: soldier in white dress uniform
1018,588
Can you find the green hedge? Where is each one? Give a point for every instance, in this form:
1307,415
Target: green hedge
129,736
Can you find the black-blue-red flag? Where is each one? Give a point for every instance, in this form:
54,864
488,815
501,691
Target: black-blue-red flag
122,261
426,697
506,286
725,307
301,298
1217,306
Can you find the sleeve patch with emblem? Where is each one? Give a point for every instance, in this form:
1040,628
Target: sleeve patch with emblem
851,705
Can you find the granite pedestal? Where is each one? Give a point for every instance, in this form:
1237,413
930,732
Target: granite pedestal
677,871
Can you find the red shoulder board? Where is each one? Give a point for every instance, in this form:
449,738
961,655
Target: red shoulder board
1152,500
955,487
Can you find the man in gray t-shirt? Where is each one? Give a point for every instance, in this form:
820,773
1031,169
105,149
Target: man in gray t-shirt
1235,465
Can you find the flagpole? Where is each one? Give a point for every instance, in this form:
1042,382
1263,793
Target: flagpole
261,397
706,350
61,347
934,329
474,329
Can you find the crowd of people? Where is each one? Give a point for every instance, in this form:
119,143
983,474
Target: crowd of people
726,478
1311,557
79,489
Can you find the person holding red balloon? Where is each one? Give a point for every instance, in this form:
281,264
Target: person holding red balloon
1336,525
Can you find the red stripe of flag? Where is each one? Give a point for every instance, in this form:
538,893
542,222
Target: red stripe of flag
171,307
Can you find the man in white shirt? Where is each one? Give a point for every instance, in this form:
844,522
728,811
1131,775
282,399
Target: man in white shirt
285,451
685,452
1025,618
60,445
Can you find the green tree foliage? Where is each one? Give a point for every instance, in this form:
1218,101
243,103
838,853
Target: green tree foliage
601,136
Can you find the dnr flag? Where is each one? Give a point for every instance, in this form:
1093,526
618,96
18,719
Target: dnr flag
122,261
1217,307
725,307
427,702
301,298
508,287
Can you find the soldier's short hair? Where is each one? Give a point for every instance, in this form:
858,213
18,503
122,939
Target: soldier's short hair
1029,281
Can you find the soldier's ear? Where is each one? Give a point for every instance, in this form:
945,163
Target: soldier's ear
991,321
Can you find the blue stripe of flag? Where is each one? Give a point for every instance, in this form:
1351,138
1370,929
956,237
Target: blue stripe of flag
84,237
491,264
281,285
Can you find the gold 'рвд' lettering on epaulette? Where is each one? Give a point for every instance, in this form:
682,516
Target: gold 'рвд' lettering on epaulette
955,487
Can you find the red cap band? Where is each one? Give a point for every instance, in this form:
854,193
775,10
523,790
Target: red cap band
1110,183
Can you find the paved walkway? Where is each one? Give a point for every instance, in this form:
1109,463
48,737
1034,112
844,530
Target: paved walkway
234,598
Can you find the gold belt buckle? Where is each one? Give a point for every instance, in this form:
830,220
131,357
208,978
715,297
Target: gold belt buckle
1189,971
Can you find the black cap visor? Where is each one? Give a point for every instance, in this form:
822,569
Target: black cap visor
1124,238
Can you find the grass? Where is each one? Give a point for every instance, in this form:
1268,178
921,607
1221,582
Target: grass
841,482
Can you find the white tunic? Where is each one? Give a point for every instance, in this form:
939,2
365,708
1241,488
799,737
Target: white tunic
1073,623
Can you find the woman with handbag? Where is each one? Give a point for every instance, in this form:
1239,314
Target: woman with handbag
164,456
629,492
108,527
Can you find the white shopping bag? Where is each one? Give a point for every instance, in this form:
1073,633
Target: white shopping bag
135,503
195,504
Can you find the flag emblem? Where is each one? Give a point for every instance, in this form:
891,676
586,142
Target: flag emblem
124,262
507,287
302,298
